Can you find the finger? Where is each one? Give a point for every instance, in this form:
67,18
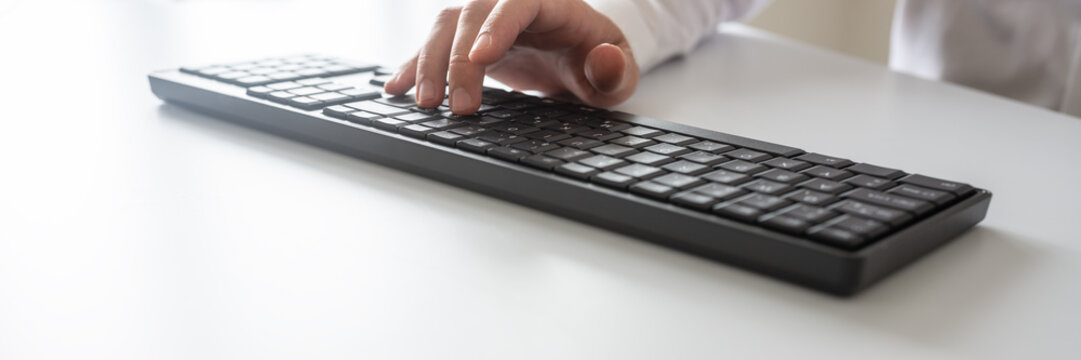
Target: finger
605,67
507,20
464,76
403,79
432,61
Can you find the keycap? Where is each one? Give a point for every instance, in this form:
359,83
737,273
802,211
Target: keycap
389,124
747,155
675,139
869,182
653,190
958,189
764,202
546,135
737,212
642,132
811,197
259,91
781,176
376,108
826,186
810,214
600,134
826,172
703,157
886,215
313,81
678,181
306,91
694,200
305,102
603,162
648,158
613,150
741,166
280,96
254,80
415,117
445,138
824,160
639,171
362,117
501,138
568,154
914,206
862,227
535,146
475,145
916,192
415,130
576,170
785,224
508,153
712,147
288,85
719,191
786,164
876,171
612,179
338,111
631,141
468,130
443,124
726,177
686,167
513,128
667,149
331,97
836,237
580,143
766,187
567,128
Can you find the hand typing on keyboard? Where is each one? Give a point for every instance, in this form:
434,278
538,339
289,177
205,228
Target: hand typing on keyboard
554,46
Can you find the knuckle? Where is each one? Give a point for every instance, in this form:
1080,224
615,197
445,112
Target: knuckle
449,14
457,60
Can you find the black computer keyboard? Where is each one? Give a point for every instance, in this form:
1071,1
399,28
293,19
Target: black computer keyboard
822,221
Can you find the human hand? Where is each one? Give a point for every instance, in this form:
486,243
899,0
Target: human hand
554,46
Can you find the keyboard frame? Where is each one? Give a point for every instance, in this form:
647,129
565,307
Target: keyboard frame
814,265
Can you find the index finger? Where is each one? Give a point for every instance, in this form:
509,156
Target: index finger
507,20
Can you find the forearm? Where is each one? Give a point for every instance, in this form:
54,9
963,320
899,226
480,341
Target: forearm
660,29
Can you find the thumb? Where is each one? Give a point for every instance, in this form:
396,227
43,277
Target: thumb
606,67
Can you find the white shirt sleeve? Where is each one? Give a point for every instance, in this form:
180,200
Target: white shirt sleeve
660,29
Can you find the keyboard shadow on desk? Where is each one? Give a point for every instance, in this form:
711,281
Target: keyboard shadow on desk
931,301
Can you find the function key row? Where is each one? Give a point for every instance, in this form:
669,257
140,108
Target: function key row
826,199
266,71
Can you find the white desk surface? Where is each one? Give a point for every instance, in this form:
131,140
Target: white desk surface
130,229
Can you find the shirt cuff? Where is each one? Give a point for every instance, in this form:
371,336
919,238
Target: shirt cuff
629,18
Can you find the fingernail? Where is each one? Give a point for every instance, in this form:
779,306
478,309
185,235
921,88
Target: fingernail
484,42
460,101
425,91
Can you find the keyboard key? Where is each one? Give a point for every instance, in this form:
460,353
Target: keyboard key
546,135
514,128
836,237
764,202
611,179
332,97
726,177
766,187
568,154
826,172
632,141
811,197
501,138
747,155
600,134
377,108
580,143
602,162
338,111
653,190
576,170
863,227
703,157
956,188
639,171
334,86
786,164
535,146
389,124
542,162
313,81
916,192
280,96
508,153
468,130
914,206
642,132
785,224
711,147
694,200
442,124
414,117
737,212
876,171
782,176
415,130
826,186
686,167
675,139
358,94
719,191
824,160
567,128
363,117
259,91
254,80
810,214
678,181
869,182
741,166
648,158
305,102
445,138
305,91
475,145
282,86
613,150
667,149
883,214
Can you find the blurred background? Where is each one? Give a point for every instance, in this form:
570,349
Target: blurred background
859,28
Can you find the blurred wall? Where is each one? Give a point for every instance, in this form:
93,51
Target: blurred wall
856,27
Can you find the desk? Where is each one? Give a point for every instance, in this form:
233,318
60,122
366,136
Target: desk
137,230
